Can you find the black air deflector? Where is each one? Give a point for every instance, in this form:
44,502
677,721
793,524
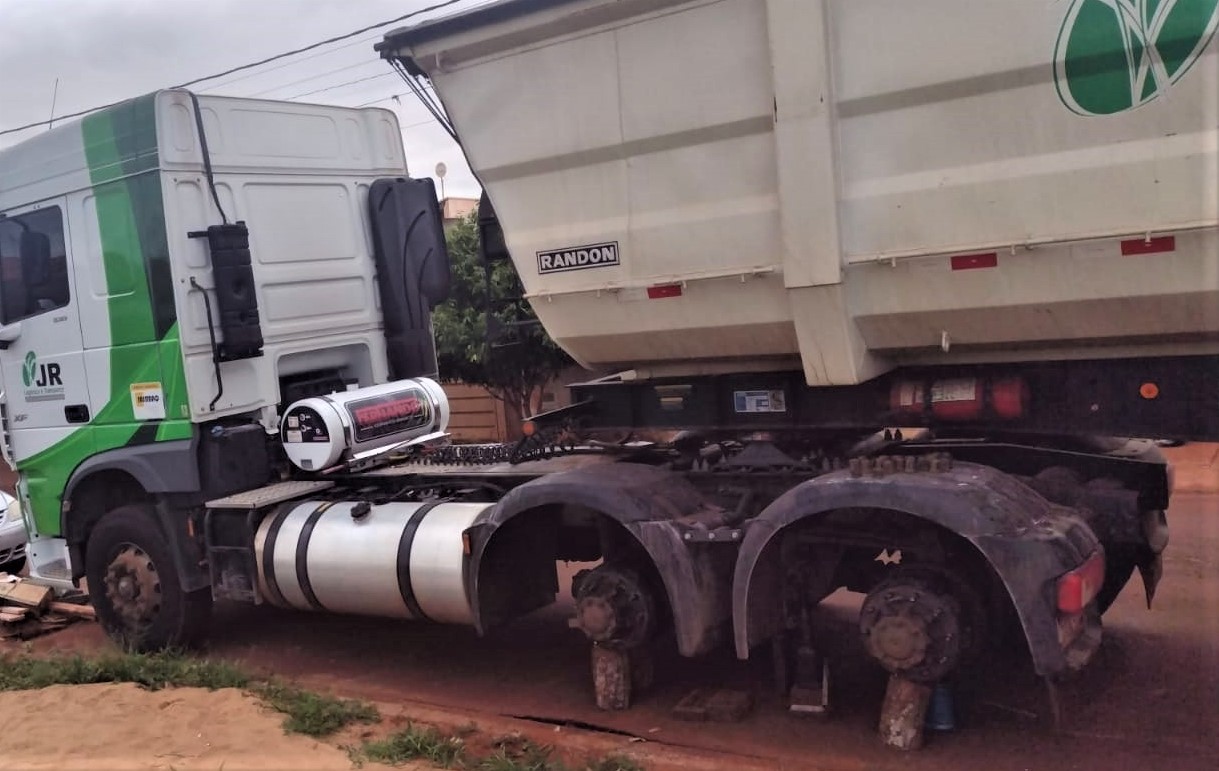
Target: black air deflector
412,270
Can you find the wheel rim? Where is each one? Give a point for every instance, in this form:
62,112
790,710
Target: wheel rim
133,589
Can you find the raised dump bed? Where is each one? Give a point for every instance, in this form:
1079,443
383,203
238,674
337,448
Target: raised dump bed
845,186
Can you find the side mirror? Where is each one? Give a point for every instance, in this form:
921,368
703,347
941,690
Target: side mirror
413,269
8,335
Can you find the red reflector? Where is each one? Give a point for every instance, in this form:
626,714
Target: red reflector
1153,246
973,261
1079,587
664,290
1008,396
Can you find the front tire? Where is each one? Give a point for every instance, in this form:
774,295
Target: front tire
134,586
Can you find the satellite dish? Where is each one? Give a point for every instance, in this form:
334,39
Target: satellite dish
441,170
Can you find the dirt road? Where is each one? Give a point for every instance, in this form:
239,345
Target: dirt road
1148,701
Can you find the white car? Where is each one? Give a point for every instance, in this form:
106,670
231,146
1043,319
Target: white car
12,534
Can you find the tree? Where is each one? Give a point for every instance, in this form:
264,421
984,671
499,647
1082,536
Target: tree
515,367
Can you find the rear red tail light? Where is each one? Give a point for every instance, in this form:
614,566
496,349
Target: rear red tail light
1079,587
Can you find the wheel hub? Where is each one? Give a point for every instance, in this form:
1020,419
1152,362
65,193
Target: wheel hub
128,588
901,640
613,606
912,626
133,587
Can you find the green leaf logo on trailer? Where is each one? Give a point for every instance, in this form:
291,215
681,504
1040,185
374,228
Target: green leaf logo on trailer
1115,55
29,369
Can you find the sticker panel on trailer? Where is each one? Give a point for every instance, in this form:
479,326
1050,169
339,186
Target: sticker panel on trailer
753,402
579,258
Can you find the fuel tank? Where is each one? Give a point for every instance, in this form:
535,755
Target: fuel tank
398,560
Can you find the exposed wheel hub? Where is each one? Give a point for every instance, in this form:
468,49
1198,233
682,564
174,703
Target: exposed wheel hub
912,626
613,606
900,639
133,588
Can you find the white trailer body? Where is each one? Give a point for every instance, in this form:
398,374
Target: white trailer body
845,186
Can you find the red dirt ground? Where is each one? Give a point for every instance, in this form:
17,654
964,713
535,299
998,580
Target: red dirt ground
1149,700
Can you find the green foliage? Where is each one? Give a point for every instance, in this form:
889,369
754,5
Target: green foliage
516,753
417,743
512,753
314,714
513,372
148,670
614,763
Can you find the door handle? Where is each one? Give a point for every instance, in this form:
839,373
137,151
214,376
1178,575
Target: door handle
76,413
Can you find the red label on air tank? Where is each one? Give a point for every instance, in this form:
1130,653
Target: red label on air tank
379,416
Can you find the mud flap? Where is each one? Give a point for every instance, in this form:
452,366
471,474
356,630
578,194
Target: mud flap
1155,530
1151,571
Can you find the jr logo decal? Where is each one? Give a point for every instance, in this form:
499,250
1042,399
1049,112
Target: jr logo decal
1115,55
43,382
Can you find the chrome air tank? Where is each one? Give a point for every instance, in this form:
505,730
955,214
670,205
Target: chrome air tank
320,431
400,560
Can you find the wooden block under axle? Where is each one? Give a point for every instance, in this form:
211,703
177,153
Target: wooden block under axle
903,713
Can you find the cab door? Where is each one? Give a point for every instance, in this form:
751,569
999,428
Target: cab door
41,361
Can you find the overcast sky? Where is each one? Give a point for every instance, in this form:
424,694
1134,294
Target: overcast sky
107,50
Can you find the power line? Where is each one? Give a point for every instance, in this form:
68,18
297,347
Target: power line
315,77
427,122
428,87
259,63
299,61
342,85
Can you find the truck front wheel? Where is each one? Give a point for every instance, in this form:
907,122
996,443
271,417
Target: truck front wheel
134,586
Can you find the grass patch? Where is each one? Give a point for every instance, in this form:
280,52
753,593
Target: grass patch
512,753
148,670
313,714
306,712
614,763
516,753
417,743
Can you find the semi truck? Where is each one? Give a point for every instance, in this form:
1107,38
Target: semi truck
884,289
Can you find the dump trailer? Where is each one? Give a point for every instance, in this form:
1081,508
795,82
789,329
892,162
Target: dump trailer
875,307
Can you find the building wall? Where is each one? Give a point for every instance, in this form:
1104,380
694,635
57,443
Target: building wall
453,209
477,416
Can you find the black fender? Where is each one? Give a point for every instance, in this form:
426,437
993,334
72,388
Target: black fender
158,467
1028,541
162,470
647,502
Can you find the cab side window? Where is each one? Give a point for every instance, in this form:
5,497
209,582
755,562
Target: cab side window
33,264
